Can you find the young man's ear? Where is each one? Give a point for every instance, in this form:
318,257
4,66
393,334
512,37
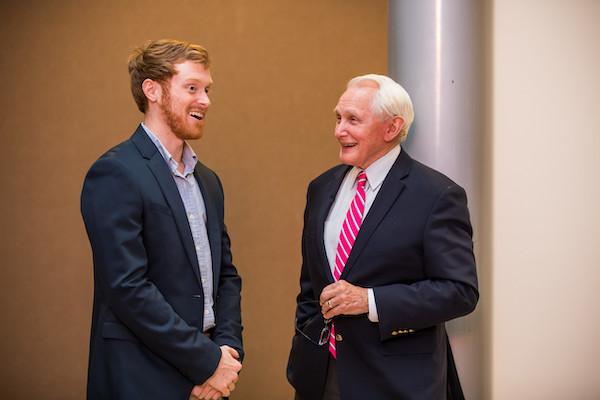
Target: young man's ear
394,127
152,90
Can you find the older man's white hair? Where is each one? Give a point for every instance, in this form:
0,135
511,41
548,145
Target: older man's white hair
391,100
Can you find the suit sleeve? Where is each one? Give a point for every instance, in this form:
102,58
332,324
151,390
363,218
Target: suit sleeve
228,329
307,303
112,208
450,288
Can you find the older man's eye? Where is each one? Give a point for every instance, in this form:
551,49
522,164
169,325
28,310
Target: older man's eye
192,89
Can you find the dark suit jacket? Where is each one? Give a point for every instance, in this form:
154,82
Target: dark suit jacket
415,250
146,338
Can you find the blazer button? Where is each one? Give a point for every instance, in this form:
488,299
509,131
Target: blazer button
338,337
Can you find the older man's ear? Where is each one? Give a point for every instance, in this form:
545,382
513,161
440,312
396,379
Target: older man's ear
394,127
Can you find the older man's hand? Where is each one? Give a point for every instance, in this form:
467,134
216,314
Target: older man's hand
343,298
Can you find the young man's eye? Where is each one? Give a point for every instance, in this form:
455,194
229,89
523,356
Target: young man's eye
192,89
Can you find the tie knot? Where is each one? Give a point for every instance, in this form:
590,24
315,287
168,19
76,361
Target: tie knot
361,179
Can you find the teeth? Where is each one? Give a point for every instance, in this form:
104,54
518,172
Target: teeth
349,145
196,115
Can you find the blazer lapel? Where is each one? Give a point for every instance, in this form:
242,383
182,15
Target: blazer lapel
212,224
391,188
325,201
160,170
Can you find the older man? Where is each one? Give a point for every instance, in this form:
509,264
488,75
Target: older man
166,322
387,260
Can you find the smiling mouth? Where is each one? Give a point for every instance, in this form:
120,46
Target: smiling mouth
199,116
348,145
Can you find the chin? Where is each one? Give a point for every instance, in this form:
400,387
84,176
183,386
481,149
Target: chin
347,159
190,134
196,135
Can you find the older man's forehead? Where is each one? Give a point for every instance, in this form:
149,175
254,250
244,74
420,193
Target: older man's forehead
356,97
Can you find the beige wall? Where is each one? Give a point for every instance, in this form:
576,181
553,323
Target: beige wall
278,66
545,191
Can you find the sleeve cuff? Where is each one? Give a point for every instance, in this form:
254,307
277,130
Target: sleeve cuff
373,316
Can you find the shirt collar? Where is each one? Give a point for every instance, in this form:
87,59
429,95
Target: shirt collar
377,171
189,158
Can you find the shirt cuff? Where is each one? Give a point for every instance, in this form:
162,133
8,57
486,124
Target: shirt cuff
373,316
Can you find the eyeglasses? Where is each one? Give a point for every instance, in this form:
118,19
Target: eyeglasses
324,335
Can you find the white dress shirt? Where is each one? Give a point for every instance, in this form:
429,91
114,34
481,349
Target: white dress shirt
376,173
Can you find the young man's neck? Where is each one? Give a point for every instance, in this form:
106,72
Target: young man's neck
172,143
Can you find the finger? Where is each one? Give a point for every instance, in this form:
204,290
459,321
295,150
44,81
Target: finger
326,294
236,365
219,393
231,387
225,392
328,305
204,391
197,390
231,351
337,309
234,353
327,297
209,394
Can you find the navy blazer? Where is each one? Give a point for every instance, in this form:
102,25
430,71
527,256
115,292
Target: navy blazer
415,250
146,337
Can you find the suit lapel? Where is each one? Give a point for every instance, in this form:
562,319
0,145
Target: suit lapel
325,202
160,170
391,188
212,223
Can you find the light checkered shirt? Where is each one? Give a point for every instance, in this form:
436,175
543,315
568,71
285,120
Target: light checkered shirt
196,213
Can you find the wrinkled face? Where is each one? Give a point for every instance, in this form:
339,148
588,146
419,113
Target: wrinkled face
360,132
185,101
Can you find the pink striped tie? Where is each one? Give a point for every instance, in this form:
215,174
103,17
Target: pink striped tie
350,228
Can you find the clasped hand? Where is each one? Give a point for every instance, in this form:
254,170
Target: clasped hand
222,382
342,297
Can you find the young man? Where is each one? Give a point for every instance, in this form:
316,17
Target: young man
166,321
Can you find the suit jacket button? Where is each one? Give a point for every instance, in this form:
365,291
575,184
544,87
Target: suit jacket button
338,337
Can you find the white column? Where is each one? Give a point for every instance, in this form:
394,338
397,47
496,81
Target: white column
436,54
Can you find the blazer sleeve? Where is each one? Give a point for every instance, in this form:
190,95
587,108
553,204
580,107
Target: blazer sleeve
307,302
228,329
450,287
112,208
